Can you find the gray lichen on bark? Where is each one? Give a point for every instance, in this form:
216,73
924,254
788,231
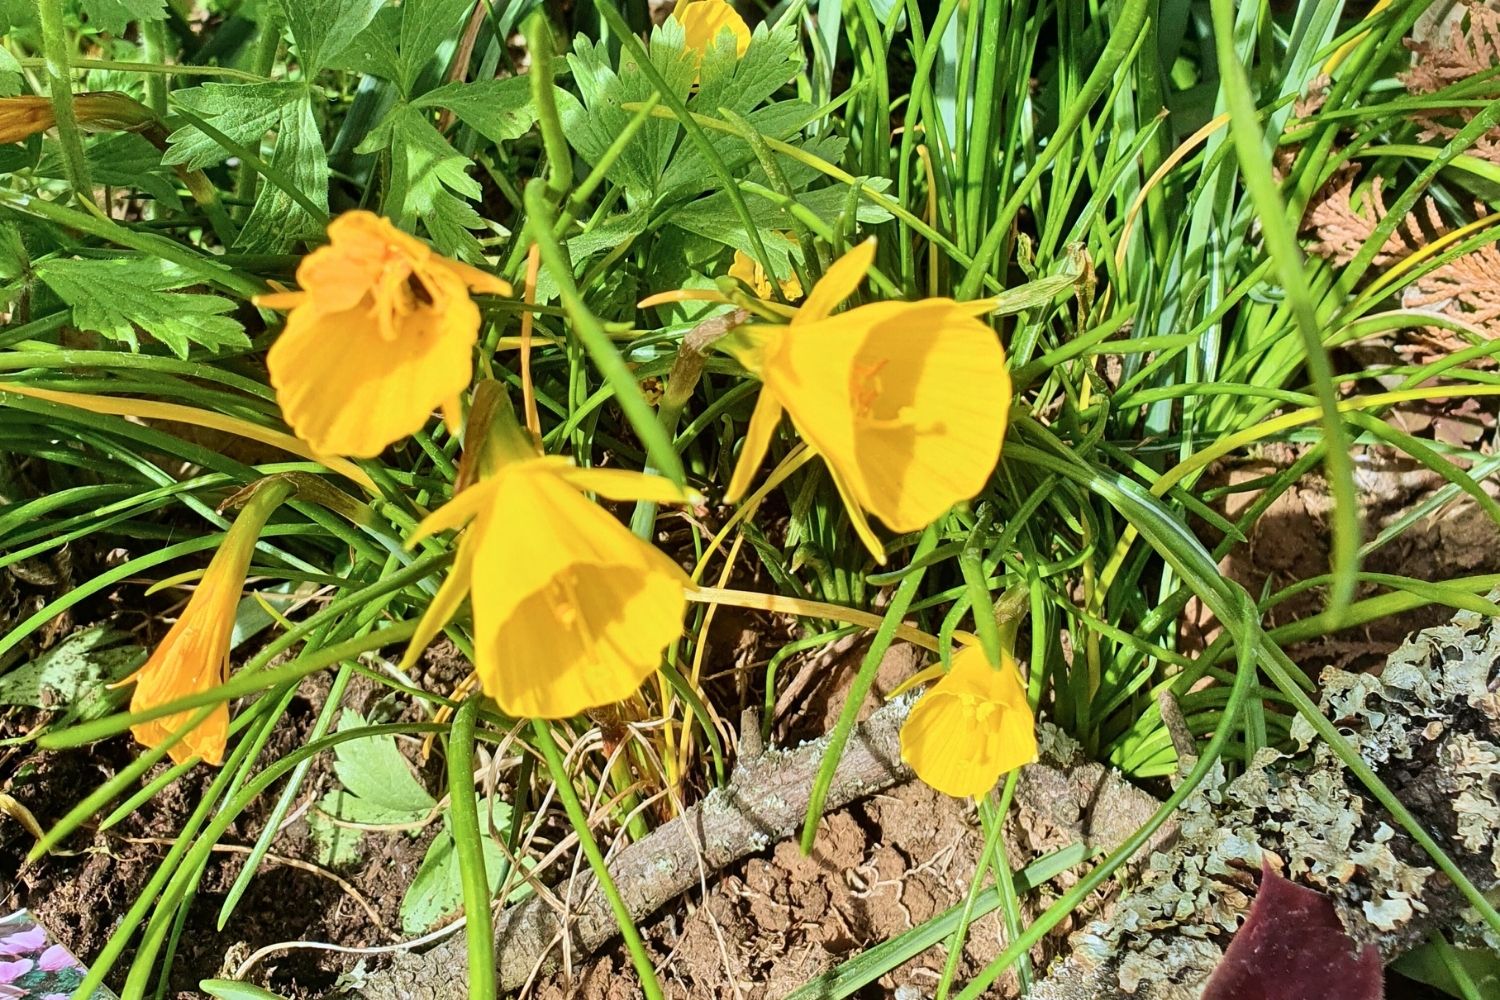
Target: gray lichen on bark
1429,725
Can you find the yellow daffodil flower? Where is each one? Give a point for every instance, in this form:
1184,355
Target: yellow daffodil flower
748,270
381,334
971,727
905,401
571,611
194,656
703,20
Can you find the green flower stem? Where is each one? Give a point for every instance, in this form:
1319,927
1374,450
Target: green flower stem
468,840
590,331
154,48
55,49
95,224
1074,897
1281,244
262,62
580,821
559,157
150,69
284,804
900,602
198,850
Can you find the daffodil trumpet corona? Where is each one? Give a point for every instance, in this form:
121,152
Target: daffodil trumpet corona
570,610
381,334
970,727
906,402
194,655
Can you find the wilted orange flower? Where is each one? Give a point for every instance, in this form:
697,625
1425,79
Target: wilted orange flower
971,727
381,334
571,611
194,656
25,116
905,401
703,20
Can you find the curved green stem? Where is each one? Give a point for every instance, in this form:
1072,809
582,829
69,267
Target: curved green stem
60,87
580,821
468,840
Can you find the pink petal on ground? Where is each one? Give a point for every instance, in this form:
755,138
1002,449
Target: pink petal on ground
11,971
56,958
23,943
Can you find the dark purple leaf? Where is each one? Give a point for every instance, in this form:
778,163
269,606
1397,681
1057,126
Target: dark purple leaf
1293,947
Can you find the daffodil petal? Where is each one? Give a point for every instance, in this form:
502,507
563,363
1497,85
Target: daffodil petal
934,742
623,484
838,283
455,513
206,741
481,282
571,610
857,516
933,434
763,423
444,603
279,300
399,382
970,727
703,20
453,415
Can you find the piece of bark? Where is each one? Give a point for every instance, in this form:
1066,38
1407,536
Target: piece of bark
1430,727
764,802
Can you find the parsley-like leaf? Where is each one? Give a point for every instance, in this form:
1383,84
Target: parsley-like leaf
244,113
429,180
115,297
499,110
114,16
322,29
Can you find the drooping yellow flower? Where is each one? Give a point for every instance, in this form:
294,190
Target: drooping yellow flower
971,727
703,20
27,115
748,270
381,334
905,401
571,611
194,656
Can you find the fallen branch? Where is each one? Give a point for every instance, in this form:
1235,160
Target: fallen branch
763,803
1429,725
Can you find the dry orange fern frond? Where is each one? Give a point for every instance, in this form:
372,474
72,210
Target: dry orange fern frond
1471,49
1341,220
